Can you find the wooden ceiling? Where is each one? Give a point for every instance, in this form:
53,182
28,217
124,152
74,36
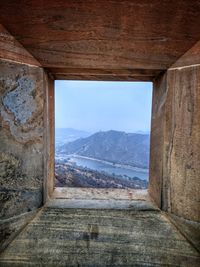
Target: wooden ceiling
104,39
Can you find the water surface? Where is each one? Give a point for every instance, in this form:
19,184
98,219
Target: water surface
107,167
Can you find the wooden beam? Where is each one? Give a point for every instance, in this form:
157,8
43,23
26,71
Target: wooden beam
11,49
102,74
104,34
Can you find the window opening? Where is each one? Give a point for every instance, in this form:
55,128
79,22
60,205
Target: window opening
102,134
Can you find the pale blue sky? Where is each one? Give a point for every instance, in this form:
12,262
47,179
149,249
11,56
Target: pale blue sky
100,106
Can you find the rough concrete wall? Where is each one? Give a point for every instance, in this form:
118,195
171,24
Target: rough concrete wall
175,139
21,141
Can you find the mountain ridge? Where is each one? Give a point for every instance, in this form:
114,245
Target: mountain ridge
114,146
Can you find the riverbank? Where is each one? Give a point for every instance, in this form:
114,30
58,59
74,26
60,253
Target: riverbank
104,166
68,175
128,167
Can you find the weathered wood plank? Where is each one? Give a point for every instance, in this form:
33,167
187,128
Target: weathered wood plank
100,193
11,49
157,140
190,58
181,143
49,138
104,34
103,74
82,237
10,228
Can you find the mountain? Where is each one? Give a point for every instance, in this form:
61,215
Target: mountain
66,135
114,146
74,176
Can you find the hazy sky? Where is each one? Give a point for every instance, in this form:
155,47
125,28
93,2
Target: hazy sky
101,106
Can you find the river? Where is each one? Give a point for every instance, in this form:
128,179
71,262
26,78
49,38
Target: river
107,167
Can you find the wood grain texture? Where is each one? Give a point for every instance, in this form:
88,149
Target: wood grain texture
111,35
181,143
156,182
175,146
11,49
190,58
190,229
21,144
110,204
10,228
49,138
100,193
81,237
21,138
103,74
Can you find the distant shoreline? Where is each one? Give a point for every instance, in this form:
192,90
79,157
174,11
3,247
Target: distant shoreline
137,169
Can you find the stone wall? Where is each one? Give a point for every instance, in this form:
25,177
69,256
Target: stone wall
175,146
21,139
